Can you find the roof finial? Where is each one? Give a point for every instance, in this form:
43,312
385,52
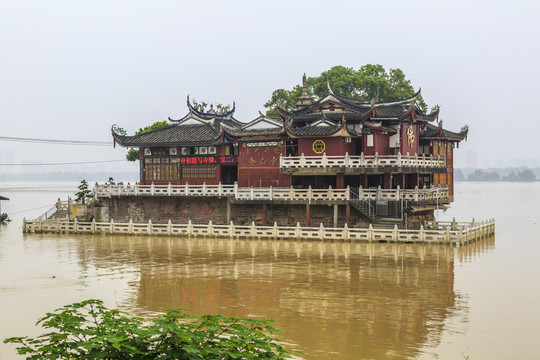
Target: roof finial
330,91
304,81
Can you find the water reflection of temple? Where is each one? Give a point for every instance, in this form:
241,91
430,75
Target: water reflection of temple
352,300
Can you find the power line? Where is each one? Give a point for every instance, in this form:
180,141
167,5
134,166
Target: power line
67,163
57,142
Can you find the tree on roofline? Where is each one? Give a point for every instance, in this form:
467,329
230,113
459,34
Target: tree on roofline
371,81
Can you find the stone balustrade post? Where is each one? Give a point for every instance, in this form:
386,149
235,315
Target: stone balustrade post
169,227
253,229
203,188
150,227
251,193
416,193
92,226
302,160
395,233
310,192
189,228
210,228
169,189
275,230
130,226
348,193
236,190
379,193
324,160
152,188
360,193
347,159
370,233
220,190
291,193
271,193
398,193
345,232
298,230
321,231
421,234
362,159
231,229
376,159
330,192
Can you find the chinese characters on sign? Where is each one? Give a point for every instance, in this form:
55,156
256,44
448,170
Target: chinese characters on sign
208,160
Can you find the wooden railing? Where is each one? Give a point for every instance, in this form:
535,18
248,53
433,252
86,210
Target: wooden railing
270,193
465,234
362,161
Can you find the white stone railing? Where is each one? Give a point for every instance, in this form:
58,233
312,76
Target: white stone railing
466,234
270,193
361,161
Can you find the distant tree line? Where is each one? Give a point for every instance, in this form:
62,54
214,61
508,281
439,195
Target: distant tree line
494,175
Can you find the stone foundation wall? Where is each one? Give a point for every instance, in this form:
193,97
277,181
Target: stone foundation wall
201,210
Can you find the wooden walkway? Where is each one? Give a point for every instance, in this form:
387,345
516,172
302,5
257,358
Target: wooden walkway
450,233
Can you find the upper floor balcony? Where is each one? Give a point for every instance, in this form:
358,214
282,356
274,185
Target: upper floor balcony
361,164
247,194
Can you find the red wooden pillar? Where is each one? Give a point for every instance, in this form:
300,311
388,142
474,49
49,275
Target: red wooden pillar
363,181
387,181
401,180
347,214
340,181
308,219
264,214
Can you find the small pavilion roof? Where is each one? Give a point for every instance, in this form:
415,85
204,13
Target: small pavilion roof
438,132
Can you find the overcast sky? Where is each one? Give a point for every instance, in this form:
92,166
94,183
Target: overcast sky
71,69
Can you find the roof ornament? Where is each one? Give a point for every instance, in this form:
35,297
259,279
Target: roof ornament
440,124
330,91
465,131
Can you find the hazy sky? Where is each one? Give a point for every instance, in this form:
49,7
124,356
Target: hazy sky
71,69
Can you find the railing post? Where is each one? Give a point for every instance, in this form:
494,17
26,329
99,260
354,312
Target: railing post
302,160
330,192
324,160
203,188
310,192
379,193
231,229
416,193
136,189
169,227
236,190
93,226
421,234
348,194
169,189
360,193
189,228
253,229
395,233
149,227
130,226
370,233
220,190
271,193
399,159
398,194
376,159
186,189
275,230
345,232
210,228
291,193
152,188
321,231
251,193
362,159
297,230
24,225
347,159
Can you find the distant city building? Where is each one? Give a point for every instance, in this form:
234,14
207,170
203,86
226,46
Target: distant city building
471,159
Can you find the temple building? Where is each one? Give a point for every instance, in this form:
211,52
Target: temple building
336,142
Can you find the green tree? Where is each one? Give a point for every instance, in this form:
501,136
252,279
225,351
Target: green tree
83,193
133,154
89,330
369,82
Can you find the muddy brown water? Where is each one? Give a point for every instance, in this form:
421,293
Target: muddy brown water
331,300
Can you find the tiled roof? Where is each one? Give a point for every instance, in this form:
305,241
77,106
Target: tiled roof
436,132
171,135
